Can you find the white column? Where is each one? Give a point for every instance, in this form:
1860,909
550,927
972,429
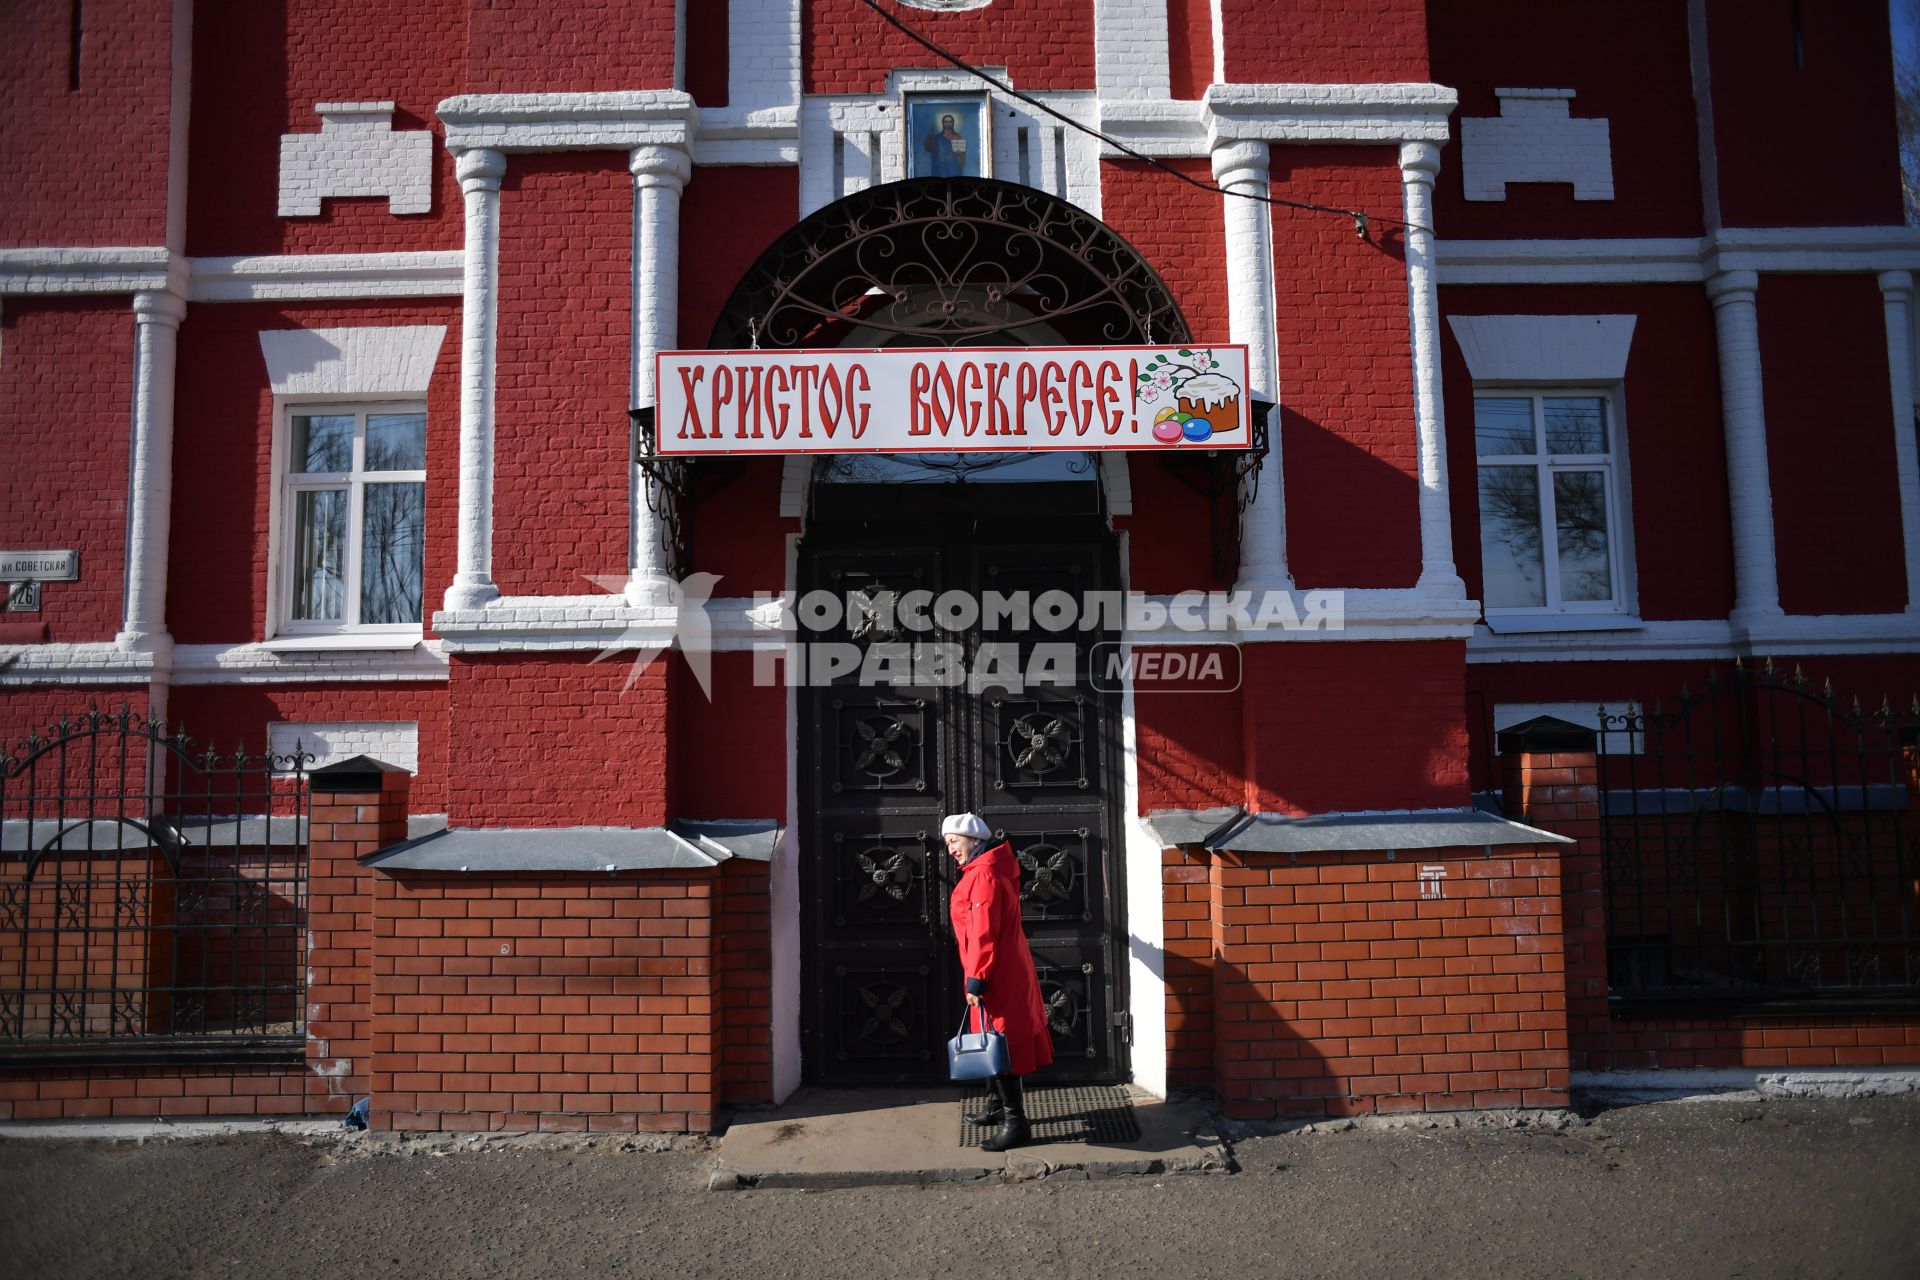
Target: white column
1896,294
660,174
480,172
1419,163
1736,322
156,332
1242,167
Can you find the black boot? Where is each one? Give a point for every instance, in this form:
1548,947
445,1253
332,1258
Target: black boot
1013,1125
995,1109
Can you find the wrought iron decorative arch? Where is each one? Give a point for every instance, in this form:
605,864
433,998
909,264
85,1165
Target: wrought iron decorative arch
949,262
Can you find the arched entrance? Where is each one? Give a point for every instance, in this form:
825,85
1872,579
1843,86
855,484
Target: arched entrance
954,262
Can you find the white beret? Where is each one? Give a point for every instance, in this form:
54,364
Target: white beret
966,824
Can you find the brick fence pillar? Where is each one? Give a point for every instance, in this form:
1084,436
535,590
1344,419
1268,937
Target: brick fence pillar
357,806
1550,778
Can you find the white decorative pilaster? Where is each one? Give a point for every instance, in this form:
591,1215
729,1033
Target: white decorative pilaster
480,171
1242,166
156,332
1896,294
660,175
1419,164
1736,322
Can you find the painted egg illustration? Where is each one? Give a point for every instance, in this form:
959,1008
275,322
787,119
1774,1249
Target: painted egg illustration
1166,413
1197,429
1166,430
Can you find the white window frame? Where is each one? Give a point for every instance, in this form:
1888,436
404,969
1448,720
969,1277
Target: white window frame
1558,614
280,622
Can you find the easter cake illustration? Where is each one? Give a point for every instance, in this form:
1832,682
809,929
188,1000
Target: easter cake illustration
1203,403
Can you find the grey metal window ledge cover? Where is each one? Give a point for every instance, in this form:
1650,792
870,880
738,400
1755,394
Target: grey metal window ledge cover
683,844
1234,829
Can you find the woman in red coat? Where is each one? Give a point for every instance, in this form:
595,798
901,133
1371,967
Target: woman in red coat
1000,979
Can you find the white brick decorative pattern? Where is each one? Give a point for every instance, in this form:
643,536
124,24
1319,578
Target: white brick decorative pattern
356,153
1544,348
1130,48
1534,139
366,360
389,741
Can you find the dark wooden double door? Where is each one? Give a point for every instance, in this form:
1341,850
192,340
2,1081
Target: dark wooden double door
882,764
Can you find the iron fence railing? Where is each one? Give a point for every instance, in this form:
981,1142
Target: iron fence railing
1758,843
153,894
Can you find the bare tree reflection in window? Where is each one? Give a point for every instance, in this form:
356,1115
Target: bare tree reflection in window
1510,537
1580,520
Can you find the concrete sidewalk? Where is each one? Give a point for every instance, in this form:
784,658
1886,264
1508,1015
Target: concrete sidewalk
875,1137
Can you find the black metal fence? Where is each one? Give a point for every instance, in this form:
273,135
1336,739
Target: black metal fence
1759,851
153,895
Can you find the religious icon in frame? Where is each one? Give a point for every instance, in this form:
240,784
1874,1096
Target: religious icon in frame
949,135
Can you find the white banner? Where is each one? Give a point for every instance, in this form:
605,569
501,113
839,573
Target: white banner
972,399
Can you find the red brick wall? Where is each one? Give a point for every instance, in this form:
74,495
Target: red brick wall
26,709
86,165
1676,445
1325,41
562,381
1346,373
1190,47
743,965
1823,356
223,471
124,1093
258,71
569,46
66,395
1189,749
1343,726
1627,63
1045,44
1339,988
541,741
737,532
729,215
236,716
538,1002
1810,144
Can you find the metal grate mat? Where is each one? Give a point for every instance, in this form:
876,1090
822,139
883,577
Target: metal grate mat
1065,1113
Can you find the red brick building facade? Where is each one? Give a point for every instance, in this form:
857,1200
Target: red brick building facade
328,351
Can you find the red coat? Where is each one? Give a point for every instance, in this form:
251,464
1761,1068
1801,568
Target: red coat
993,951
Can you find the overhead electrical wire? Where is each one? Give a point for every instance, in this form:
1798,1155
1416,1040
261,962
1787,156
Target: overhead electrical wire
1362,220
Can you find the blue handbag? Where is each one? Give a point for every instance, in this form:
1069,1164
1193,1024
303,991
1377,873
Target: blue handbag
976,1055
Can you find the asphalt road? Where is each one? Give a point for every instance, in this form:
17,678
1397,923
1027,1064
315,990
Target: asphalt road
1800,1188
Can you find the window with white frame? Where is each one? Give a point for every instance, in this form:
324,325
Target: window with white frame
1550,509
353,507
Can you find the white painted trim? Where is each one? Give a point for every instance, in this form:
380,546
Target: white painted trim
1830,250
1419,165
1535,138
1386,113
763,56
660,175
479,172
1146,916
1540,349
1788,635
1744,1084
156,334
620,121
1896,297
796,479
1116,482
302,276
74,664
365,361
260,663
1244,166
112,270
357,152
783,891
1736,325
1130,54
1170,128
